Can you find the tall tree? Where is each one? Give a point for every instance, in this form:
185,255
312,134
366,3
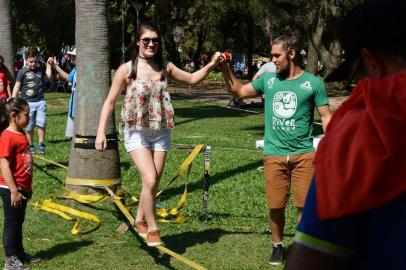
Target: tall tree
93,84
6,43
322,18
44,23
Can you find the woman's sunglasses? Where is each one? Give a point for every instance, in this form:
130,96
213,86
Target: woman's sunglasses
146,41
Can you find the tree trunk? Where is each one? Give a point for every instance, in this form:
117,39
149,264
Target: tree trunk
332,57
328,13
250,45
315,40
93,84
201,38
6,43
312,58
267,30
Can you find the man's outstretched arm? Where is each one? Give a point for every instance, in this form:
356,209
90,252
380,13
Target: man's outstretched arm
234,86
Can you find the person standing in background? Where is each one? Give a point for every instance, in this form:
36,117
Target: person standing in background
5,82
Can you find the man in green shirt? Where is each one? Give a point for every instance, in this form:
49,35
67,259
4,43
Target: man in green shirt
291,94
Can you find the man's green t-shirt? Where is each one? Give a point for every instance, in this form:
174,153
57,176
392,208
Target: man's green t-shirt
289,112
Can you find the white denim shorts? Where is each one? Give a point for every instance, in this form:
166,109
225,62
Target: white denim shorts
156,140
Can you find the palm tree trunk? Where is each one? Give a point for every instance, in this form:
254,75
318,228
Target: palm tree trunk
6,43
94,78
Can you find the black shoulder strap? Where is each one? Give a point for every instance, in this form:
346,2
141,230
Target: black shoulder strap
88,142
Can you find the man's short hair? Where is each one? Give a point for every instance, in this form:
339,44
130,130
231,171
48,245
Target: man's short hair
31,52
288,43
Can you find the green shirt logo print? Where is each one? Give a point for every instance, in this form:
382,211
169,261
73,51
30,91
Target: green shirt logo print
284,104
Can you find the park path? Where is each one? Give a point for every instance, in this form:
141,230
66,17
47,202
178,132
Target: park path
215,92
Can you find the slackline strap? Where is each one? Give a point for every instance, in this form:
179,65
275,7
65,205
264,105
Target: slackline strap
166,215
88,142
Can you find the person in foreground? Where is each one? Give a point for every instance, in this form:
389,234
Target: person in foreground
147,117
15,179
355,212
291,95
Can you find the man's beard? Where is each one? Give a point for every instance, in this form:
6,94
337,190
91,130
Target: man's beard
284,73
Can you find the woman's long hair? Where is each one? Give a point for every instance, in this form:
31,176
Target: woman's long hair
133,49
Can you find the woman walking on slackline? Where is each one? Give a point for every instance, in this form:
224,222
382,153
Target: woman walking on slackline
147,117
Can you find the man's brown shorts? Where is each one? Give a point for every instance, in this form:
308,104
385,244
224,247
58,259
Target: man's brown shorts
282,172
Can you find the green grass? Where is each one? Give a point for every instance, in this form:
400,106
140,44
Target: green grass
236,235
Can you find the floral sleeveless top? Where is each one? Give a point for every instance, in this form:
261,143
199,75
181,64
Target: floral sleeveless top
147,104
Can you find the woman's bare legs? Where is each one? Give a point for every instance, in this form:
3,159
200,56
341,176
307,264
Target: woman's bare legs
150,165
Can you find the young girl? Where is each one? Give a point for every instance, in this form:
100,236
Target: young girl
147,117
15,179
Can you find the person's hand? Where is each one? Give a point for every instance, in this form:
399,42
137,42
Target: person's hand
50,61
101,142
215,59
56,63
223,65
16,198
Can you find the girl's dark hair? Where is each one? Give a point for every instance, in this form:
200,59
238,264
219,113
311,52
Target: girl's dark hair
16,105
133,49
2,58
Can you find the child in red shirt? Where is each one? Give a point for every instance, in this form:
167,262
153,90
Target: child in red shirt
5,89
15,179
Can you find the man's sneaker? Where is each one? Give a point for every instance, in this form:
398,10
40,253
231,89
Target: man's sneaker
27,258
41,149
13,263
141,228
32,149
278,255
154,238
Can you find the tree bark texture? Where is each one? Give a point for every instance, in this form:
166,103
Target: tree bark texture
94,79
6,42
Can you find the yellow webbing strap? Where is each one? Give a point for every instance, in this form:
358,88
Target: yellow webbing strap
165,215
130,218
50,161
184,166
173,215
85,199
91,182
65,212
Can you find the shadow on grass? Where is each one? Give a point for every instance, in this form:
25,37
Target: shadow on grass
51,167
63,249
214,179
180,242
56,141
57,114
125,166
255,128
207,111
